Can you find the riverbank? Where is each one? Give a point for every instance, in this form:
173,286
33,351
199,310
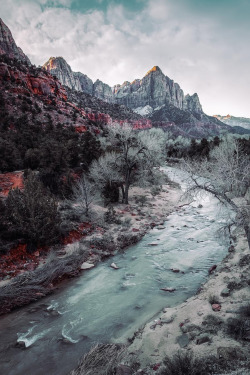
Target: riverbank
213,323
129,223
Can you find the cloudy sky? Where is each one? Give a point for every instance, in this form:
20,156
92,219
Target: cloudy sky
204,45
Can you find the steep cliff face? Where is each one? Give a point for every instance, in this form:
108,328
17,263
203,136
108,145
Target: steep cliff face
155,90
8,45
36,82
59,68
103,91
192,104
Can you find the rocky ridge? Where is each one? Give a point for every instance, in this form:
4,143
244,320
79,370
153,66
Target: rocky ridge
8,45
155,100
154,89
235,121
155,97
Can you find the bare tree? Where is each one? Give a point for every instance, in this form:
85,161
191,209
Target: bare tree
83,195
134,156
226,175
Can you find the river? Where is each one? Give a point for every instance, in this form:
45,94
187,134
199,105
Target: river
106,305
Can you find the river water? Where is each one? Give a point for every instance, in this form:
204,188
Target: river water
109,305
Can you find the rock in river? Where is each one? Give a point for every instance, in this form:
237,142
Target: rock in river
168,289
87,266
113,265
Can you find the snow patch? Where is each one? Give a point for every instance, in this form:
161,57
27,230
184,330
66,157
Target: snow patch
143,111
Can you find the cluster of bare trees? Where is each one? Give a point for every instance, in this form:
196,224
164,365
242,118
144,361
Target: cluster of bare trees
226,175
130,157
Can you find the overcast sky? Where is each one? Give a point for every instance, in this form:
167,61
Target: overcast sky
204,45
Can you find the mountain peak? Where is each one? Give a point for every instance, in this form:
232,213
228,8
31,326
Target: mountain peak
8,45
154,69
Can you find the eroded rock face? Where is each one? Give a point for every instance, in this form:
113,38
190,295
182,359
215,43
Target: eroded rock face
192,104
58,67
103,91
155,89
8,45
40,84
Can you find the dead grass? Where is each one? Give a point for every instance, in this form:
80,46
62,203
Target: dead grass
102,359
35,284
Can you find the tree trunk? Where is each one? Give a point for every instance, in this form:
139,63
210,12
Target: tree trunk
126,187
123,194
126,194
247,231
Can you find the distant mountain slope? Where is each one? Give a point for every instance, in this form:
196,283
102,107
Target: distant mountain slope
235,121
155,97
154,100
154,89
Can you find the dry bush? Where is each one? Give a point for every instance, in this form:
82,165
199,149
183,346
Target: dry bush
184,363
102,359
32,285
213,299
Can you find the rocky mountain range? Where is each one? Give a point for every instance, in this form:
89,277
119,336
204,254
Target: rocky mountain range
242,122
57,93
154,90
155,97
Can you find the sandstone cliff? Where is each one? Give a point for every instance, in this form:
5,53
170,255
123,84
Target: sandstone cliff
59,68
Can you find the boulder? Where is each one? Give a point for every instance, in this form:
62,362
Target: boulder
216,307
87,266
212,268
183,340
167,320
203,338
225,292
160,227
168,289
114,266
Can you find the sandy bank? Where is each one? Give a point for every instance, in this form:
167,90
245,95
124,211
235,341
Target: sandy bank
198,326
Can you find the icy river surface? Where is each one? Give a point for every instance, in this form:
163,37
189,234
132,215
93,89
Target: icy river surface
106,305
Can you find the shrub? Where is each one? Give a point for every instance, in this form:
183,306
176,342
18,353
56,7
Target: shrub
245,311
32,214
126,223
141,200
155,190
238,327
183,364
213,299
110,216
212,323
